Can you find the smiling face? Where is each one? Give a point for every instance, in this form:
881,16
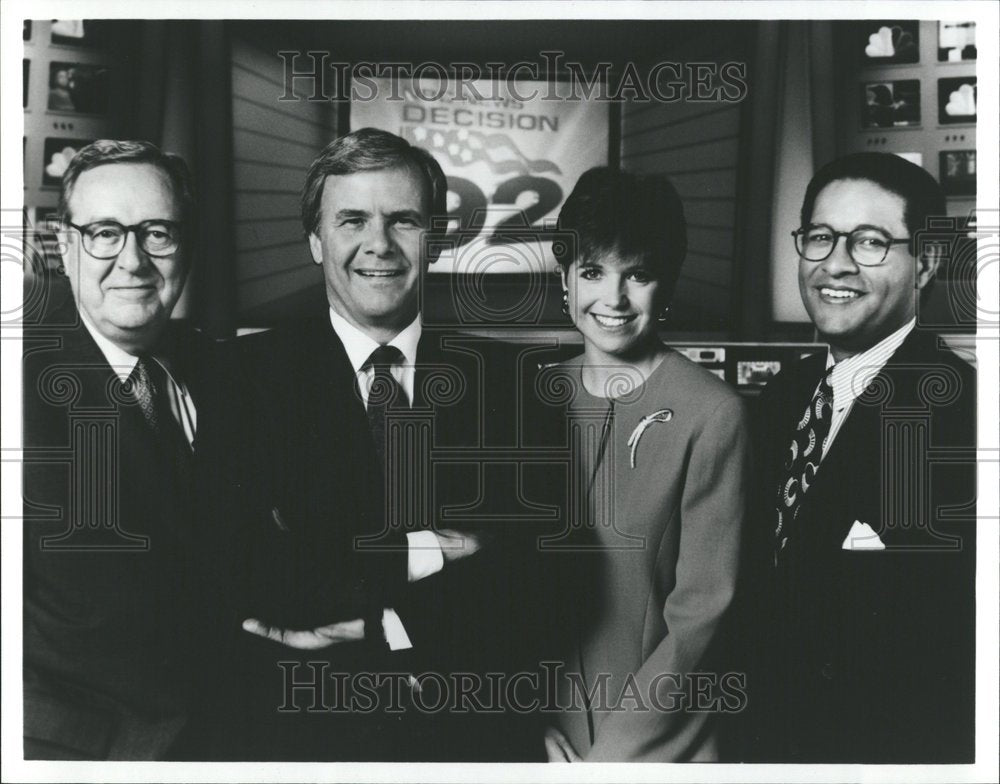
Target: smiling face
369,241
614,302
855,307
127,298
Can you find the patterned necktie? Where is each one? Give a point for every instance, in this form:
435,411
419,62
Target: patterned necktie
804,456
384,393
148,382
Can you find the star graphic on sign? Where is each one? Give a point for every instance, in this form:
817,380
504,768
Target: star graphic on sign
420,134
453,149
438,140
466,155
462,134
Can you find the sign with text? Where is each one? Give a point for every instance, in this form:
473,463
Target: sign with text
512,153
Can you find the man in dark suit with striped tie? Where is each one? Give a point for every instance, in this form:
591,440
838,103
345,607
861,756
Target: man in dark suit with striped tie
110,417
865,640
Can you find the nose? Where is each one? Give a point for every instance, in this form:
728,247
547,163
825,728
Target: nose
840,262
378,241
132,258
615,293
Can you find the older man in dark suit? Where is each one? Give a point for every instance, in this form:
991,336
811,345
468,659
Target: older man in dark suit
110,418
343,505
867,637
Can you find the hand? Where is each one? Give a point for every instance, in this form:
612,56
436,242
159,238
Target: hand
456,545
558,748
321,637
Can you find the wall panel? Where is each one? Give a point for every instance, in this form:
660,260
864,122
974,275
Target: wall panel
273,144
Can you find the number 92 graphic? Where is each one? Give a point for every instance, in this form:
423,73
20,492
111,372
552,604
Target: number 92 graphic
472,208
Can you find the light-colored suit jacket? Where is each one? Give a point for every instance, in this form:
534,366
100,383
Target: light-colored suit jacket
662,504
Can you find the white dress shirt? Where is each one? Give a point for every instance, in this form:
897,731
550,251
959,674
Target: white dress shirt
851,376
181,403
424,553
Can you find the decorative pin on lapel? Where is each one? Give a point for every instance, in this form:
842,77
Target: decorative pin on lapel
663,415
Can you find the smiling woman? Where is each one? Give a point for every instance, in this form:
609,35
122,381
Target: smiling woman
660,455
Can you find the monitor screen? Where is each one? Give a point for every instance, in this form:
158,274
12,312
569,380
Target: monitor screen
512,152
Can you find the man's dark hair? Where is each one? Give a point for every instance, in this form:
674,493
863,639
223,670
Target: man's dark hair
631,215
370,149
923,198
106,151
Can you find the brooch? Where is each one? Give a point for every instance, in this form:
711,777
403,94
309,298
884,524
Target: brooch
663,415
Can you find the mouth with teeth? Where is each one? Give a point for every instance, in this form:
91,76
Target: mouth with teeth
612,322
377,274
838,296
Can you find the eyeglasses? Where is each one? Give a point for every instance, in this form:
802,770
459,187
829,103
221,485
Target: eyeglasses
106,239
868,246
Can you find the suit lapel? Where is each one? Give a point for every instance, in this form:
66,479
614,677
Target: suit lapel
144,481
848,486
340,411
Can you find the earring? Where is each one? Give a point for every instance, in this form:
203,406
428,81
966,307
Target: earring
663,315
565,303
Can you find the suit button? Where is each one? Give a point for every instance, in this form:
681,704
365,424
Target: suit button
827,671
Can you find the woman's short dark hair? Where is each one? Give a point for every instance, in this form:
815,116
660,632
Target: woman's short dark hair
628,214
923,198
370,149
106,151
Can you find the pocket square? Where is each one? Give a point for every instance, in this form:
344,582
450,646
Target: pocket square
862,537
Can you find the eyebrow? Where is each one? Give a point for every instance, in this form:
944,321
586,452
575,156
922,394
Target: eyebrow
93,221
626,267
396,214
341,214
407,214
882,229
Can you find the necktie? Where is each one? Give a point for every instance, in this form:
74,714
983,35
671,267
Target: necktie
384,393
148,382
802,463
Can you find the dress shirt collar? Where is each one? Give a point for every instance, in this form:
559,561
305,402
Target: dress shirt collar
851,376
120,360
359,346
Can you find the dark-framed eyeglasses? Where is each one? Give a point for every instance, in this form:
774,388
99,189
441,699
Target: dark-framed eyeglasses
106,239
867,245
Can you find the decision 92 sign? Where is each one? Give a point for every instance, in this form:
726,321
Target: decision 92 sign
511,158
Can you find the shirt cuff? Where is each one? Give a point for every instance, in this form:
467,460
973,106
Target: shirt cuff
424,555
395,634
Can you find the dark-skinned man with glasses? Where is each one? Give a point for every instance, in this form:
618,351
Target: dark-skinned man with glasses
858,606
113,400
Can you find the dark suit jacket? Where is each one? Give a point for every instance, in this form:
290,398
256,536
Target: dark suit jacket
321,539
110,584
868,656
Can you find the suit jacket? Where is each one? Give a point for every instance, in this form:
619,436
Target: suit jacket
665,514
320,537
869,655
110,580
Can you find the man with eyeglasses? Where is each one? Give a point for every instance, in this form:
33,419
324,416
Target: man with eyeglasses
110,598
862,626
